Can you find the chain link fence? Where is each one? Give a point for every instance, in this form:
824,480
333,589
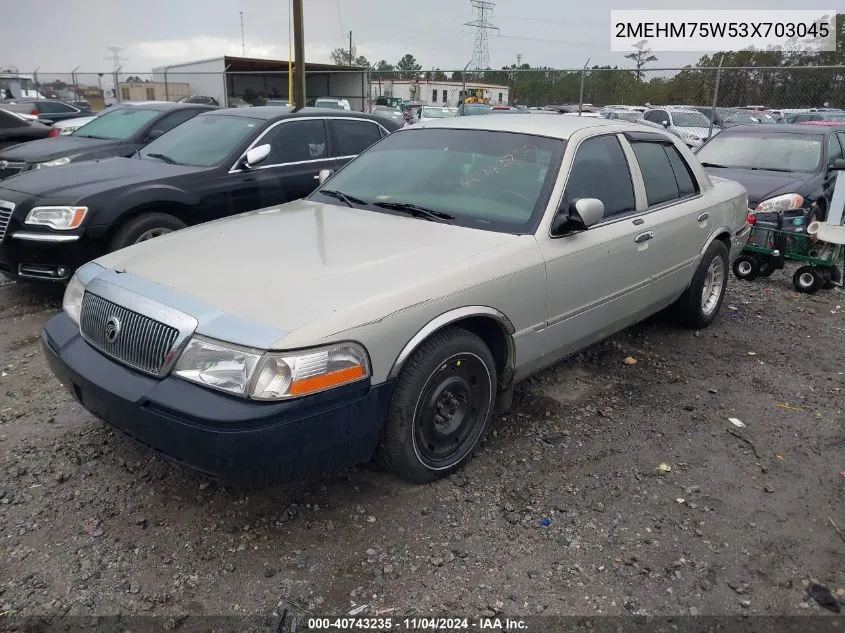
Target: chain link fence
774,87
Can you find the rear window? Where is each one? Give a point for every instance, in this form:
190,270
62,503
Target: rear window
118,125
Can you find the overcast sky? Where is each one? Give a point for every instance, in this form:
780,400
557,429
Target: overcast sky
58,35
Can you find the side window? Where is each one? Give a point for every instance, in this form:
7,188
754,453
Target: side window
601,171
665,175
834,149
653,116
296,141
353,137
170,121
687,185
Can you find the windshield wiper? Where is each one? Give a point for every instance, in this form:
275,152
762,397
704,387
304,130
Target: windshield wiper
347,200
714,165
415,210
163,157
787,171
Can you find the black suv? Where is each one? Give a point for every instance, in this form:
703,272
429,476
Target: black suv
216,164
120,131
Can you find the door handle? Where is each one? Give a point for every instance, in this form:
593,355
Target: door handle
703,216
639,221
317,177
644,237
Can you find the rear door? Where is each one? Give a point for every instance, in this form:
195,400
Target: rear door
350,137
679,222
51,111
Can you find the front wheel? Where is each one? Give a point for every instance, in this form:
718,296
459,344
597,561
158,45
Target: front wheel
145,227
441,407
700,303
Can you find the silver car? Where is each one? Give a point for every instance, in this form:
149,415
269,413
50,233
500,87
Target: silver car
394,309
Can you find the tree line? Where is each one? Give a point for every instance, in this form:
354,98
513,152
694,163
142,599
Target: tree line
773,78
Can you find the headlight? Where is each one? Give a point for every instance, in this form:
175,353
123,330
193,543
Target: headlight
270,376
282,376
56,162
59,218
72,301
217,365
781,203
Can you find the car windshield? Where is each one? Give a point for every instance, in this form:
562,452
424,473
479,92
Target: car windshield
476,108
202,141
497,181
436,113
689,119
391,113
772,151
329,104
835,116
118,124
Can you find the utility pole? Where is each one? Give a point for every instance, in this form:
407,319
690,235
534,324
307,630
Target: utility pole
351,54
299,55
243,42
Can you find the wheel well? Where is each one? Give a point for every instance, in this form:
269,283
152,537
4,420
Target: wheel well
176,209
497,340
725,238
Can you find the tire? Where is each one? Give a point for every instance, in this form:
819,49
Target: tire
746,267
143,227
832,277
808,280
695,310
767,267
441,407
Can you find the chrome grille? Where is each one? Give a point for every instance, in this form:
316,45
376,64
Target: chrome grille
6,209
8,168
127,336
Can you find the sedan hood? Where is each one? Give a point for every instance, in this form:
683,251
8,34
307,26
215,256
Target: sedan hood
73,182
761,185
51,148
295,264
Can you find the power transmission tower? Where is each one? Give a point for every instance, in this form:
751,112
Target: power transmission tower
518,60
115,58
481,50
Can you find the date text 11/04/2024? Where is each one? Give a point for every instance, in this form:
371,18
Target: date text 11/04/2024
414,624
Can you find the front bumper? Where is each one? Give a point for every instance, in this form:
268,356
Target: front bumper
32,254
237,441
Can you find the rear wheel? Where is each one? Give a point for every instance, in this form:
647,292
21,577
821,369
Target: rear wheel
441,407
808,279
746,267
145,227
700,303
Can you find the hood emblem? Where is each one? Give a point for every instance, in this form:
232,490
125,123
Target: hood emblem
112,329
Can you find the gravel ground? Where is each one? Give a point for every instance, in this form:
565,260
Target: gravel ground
564,511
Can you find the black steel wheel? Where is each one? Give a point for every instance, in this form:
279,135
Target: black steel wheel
808,279
441,407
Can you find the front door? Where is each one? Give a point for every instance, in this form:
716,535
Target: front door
597,280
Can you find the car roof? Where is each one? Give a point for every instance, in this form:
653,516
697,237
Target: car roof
784,128
267,113
556,127
162,105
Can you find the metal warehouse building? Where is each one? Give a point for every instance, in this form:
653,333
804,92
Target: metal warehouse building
251,79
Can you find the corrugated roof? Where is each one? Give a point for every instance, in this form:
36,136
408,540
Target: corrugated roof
249,64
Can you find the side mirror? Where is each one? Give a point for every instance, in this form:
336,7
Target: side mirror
664,123
581,215
839,163
256,155
154,134
323,175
